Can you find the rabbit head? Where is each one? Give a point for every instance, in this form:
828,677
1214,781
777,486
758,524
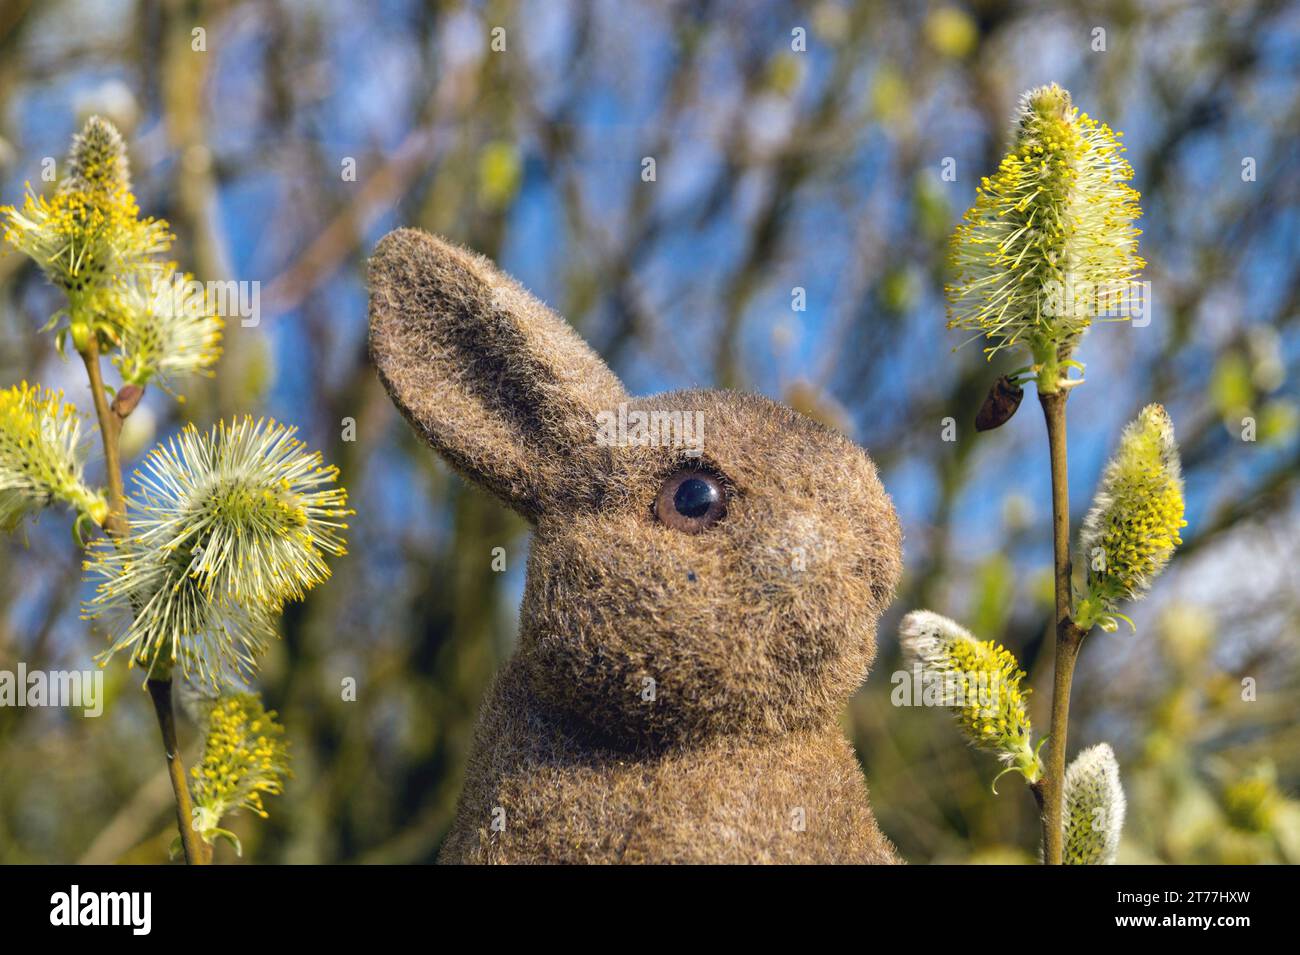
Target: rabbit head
703,562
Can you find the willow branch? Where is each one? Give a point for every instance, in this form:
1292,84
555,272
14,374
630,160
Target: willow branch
1049,791
110,429
110,420
196,853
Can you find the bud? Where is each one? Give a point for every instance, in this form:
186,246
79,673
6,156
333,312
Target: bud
126,400
1002,401
1094,808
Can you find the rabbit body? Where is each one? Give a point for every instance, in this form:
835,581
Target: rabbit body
541,790
696,612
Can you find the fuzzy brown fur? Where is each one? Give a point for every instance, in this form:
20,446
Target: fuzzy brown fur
674,697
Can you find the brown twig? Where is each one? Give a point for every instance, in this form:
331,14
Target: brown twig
110,429
160,691
1049,789
110,420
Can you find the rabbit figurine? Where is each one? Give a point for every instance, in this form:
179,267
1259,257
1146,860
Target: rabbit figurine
696,613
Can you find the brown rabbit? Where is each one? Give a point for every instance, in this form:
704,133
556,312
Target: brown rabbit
696,613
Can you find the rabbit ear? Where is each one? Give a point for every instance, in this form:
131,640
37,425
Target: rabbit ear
495,381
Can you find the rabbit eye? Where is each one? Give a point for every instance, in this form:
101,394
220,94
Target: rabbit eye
691,501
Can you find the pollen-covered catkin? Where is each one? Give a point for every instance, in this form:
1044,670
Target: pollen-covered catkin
41,456
88,237
1050,244
1132,528
226,527
981,682
245,757
173,330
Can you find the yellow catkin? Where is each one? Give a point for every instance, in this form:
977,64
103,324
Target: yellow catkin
88,236
245,757
227,526
981,681
1131,530
41,456
173,330
1051,236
